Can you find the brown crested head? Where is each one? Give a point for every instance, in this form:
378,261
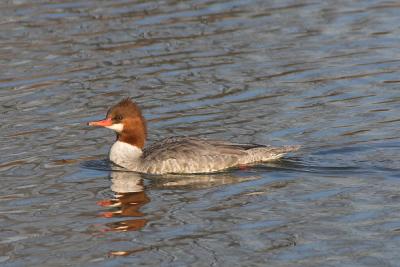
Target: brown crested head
126,119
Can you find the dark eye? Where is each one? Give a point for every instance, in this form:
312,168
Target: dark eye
118,117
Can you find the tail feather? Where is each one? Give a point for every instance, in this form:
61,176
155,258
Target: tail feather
261,154
285,149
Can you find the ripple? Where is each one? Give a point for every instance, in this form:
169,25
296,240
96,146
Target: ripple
316,74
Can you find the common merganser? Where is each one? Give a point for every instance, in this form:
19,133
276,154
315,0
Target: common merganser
176,154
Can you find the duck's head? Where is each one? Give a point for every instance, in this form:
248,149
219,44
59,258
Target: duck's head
126,119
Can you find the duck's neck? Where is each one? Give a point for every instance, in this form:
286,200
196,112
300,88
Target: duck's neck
127,150
134,132
125,155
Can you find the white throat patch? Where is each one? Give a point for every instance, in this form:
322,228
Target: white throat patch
118,127
125,155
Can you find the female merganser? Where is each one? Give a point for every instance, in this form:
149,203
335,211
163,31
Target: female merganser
175,154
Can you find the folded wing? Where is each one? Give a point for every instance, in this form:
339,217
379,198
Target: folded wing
191,155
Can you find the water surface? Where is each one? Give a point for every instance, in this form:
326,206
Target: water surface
320,74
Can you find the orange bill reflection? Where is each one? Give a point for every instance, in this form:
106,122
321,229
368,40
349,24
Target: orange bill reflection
129,198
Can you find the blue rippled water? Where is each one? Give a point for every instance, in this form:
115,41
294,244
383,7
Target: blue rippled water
320,74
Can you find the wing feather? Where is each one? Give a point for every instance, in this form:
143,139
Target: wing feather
191,155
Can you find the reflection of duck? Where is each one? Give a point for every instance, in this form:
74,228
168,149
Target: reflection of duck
130,195
176,154
129,198
198,181
126,182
